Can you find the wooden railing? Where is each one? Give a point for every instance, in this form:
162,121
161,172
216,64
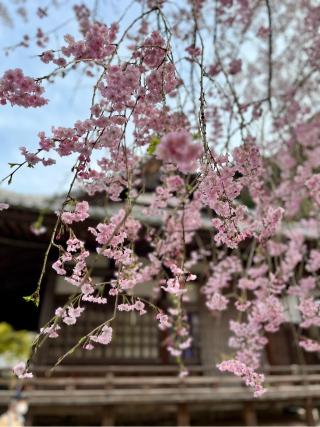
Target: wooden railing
160,370
114,385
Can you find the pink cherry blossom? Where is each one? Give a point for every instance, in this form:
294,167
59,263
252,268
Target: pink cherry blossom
251,378
4,206
104,337
178,148
20,90
20,370
80,213
309,345
163,321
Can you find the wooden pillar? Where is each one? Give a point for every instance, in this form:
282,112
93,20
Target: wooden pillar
249,415
183,416
108,416
108,412
310,420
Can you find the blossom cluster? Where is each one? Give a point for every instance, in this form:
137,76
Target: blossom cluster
251,378
21,90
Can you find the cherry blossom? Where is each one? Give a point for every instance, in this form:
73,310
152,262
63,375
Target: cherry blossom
80,213
20,90
21,371
178,148
104,337
4,206
310,345
251,378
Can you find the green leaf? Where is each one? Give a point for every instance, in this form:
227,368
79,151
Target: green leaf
33,298
155,141
196,136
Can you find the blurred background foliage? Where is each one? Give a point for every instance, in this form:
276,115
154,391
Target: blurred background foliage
14,345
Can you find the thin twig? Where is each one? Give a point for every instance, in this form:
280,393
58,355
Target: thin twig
270,53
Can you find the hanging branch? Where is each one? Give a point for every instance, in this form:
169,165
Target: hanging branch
270,53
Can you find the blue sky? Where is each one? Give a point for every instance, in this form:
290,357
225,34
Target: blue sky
69,97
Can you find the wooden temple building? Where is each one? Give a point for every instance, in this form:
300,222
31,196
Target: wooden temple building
133,381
